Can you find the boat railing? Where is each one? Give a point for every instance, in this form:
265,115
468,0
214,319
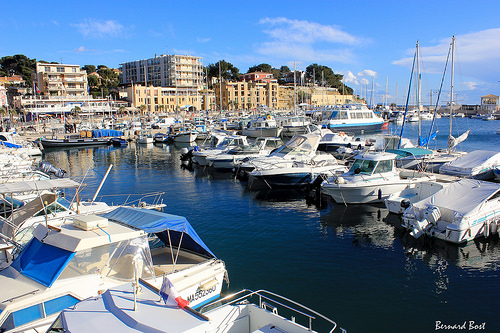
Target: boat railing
142,201
266,302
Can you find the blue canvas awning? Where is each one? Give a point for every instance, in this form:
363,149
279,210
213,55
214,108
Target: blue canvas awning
152,221
42,262
405,152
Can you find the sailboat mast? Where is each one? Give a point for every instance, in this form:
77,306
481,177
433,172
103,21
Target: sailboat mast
452,78
419,90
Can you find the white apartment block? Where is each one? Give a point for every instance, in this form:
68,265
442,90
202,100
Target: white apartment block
60,80
165,71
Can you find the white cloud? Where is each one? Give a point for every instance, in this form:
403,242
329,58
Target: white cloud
469,85
202,40
306,41
477,55
349,77
367,72
288,30
100,29
81,49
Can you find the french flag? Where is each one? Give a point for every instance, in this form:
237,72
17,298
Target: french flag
36,89
170,295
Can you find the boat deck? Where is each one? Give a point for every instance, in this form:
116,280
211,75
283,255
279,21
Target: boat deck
163,263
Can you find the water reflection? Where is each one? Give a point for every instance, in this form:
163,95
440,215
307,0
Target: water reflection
364,223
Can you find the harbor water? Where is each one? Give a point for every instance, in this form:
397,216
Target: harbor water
354,264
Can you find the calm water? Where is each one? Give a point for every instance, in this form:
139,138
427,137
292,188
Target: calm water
354,264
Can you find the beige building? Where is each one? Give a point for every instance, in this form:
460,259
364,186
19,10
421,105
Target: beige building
315,96
246,95
60,80
165,71
489,102
169,99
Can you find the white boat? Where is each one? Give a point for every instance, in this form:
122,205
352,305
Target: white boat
262,146
262,126
331,141
293,125
64,265
145,137
299,148
397,202
478,164
185,136
137,306
458,213
352,118
372,177
295,173
11,142
229,142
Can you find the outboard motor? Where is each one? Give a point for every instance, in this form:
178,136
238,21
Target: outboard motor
48,168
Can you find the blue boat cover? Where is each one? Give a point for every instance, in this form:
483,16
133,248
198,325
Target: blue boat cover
10,144
404,152
42,262
99,133
152,221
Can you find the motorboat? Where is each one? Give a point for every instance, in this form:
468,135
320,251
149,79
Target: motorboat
352,118
262,146
262,126
119,142
460,212
161,138
185,136
371,178
293,125
297,173
478,164
138,305
64,265
331,141
144,137
397,202
11,142
229,142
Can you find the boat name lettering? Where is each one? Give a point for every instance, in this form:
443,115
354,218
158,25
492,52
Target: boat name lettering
200,293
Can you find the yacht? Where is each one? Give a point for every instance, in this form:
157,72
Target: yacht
478,164
293,125
229,142
352,118
460,212
371,178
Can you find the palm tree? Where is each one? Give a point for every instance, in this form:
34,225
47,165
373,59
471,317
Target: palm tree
142,107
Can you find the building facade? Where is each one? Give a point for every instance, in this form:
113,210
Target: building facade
259,77
169,99
60,80
489,103
165,71
246,95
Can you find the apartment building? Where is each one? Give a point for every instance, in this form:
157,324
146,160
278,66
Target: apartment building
165,71
170,99
246,95
60,80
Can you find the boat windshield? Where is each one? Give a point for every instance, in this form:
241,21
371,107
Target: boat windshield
297,145
364,167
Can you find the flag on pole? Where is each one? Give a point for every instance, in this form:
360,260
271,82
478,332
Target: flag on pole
170,295
36,89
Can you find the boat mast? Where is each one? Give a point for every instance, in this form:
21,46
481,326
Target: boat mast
419,90
452,78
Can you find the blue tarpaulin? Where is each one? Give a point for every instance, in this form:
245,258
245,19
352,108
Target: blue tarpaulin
99,133
42,262
152,221
10,144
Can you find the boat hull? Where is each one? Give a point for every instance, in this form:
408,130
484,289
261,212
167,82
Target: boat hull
359,194
256,132
58,143
358,127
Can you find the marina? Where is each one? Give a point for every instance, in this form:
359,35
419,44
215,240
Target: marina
341,260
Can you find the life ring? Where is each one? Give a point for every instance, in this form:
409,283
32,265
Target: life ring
341,133
268,117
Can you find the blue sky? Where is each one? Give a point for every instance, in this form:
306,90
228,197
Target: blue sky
369,42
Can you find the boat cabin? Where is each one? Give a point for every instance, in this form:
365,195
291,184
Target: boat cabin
373,163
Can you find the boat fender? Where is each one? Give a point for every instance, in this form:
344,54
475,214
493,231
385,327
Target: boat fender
379,193
486,229
493,228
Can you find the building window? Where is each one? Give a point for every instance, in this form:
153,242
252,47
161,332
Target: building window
60,69
47,69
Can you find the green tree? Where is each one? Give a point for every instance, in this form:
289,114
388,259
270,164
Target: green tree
260,68
93,81
324,76
18,65
227,71
89,69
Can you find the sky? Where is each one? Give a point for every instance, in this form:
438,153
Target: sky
371,43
